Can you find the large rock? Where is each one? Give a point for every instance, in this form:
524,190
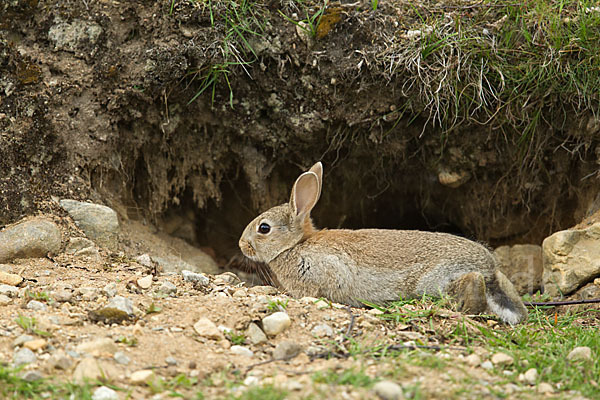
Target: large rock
571,258
523,266
98,222
29,239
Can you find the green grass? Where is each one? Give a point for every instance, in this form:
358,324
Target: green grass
28,324
499,62
349,377
236,338
277,305
12,386
267,392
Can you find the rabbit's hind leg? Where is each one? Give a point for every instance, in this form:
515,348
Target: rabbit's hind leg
469,292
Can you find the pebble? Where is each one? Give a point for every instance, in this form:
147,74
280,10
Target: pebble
29,239
473,360
286,350
35,344
502,359
19,340
322,304
88,293
98,346
4,300
145,282
121,358
145,260
190,276
530,376
545,388
255,335
276,323
61,361
87,369
167,288
241,351
110,290
105,393
63,296
24,356
267,290
81,246
487,364
122,304
171,361
229,278
141,377
31,376
206,328
10,279
388,390
322,330
251,380
36,305
98,222
580,353
9,291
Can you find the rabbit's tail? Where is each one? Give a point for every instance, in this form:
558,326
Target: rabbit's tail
503,299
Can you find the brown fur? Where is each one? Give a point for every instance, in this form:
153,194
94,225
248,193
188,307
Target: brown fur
374,265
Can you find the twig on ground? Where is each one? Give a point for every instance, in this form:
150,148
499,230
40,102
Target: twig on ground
561,303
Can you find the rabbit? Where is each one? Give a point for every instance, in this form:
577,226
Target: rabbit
374,265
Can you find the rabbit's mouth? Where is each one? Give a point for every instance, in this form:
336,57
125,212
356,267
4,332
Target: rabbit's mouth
248,250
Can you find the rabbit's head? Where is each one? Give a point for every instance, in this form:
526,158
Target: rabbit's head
283,227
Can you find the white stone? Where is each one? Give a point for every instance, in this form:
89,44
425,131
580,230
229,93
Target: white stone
97,347
580,353
473,360
241,351
145,282
530,376
545,388
387,390
502,359
487,365
206,328
255,335
322,330
105,393
141,377
276,323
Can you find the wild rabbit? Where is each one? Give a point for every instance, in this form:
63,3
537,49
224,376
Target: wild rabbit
374,265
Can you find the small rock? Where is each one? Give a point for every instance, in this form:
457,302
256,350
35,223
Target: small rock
121,358
61,361
63,296
36,305
580,353
31,376
8,291
206,328
276,323
487,364
24,356
267,290
10,279
22,339
141,377
98,346
105,393
29,239
322,305
145,260
530,376
322,330
229,278
286,350
241,351
501,359
251,380
308,300
473,360
171,361
255,335
88,369
388,390
4,300
110,290
145,282
99,223
121,303
167,288
190,276
545,388
375,311
81,246
88,293
35,344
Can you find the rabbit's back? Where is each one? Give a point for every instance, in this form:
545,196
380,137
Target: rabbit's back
376,265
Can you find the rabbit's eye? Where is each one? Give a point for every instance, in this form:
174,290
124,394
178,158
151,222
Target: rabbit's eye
264,228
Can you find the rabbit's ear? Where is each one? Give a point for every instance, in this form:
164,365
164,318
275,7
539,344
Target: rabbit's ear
305,194
318,170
